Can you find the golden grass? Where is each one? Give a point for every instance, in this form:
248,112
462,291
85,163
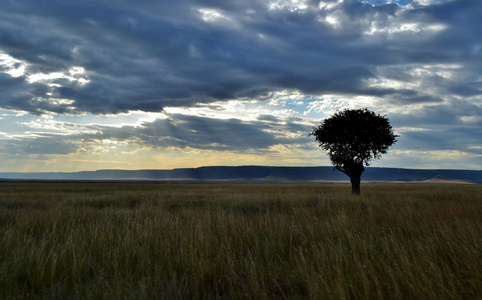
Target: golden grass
145,241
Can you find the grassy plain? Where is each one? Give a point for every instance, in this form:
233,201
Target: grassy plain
176,241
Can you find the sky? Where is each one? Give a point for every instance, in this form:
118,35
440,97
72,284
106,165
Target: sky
154,84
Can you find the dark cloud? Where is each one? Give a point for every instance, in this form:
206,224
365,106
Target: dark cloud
177,131
452,126
182,131
40,146
146,55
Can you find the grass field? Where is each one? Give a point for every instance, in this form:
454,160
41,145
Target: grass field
175,241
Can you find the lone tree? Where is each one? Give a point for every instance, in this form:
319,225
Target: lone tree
352,138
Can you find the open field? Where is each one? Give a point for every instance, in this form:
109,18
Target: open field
177,241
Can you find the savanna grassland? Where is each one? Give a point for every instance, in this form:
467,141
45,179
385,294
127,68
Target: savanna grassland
179,241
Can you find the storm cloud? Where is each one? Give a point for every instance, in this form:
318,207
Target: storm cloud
153,54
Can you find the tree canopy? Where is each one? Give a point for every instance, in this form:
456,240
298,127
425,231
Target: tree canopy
352,138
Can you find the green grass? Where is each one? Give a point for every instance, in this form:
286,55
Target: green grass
145,241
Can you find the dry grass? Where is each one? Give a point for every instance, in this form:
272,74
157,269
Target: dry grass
145,241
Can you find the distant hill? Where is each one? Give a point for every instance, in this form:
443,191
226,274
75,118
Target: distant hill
256,174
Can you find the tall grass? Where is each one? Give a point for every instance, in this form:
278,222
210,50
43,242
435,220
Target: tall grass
145,241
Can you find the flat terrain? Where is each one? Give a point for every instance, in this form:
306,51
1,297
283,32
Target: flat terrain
180,241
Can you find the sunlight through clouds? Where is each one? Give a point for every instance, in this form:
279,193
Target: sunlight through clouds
17,68
211,15
290,5
414,30
74,75
11,66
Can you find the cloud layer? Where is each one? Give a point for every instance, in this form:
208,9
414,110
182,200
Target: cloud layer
289,62
156,54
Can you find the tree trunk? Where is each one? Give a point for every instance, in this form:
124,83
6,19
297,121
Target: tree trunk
355,184
354,171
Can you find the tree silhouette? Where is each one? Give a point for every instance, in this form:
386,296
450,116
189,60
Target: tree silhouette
352,138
